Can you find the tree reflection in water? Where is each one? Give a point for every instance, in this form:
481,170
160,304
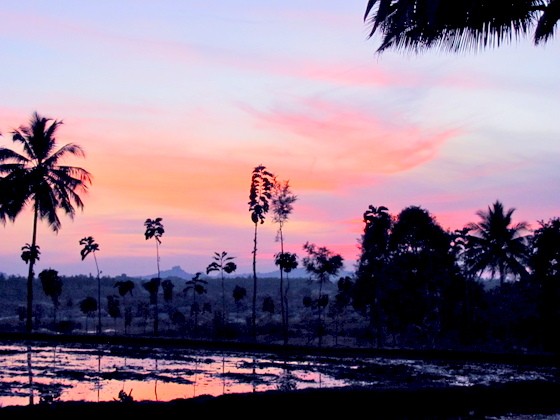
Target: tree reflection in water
96,372
30,374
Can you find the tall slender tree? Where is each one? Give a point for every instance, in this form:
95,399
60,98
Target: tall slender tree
260,193
495,245
35,176
223,263
154,229
91,247
321,263
282,206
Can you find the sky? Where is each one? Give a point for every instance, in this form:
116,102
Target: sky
175,102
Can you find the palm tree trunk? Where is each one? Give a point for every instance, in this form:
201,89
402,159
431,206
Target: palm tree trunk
254,313
30,275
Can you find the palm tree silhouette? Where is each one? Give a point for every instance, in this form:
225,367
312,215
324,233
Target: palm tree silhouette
154,229
90,246
455,26
495,245
36,176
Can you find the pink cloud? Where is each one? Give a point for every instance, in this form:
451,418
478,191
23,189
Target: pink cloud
341,141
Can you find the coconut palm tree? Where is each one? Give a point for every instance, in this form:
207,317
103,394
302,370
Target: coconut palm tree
495,245
260,193
35,176
91,247
458,25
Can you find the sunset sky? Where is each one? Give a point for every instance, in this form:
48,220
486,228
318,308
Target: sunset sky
175,102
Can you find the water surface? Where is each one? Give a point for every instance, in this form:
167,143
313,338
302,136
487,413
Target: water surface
92,372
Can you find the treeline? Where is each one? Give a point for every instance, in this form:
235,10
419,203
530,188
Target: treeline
493,285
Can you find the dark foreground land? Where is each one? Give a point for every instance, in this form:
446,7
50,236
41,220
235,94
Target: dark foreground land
517,400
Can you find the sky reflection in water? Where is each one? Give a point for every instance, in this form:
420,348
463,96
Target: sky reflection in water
99,373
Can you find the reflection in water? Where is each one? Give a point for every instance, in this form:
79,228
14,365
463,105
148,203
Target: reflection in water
97,385
195,376
30,374
254,377
286,381
156,380
96,372
223,374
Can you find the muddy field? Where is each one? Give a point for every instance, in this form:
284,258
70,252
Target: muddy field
47,375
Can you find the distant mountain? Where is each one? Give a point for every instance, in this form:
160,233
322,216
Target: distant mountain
175,271
178,272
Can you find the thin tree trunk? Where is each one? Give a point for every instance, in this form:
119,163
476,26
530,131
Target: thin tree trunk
98,296
30,275
156,316
282,301
223,300
254,313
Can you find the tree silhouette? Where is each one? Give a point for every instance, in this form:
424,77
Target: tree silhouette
544,261
372,266
421,269
36,176
152,287
321,263
458,25
198,287
239,293
91,247
125,287
167,287
224,264
287,262
88,306
29,252
495,245
260,193
154,229
282,206
52,286
114,308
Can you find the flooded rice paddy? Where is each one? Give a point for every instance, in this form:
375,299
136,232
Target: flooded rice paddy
37,373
